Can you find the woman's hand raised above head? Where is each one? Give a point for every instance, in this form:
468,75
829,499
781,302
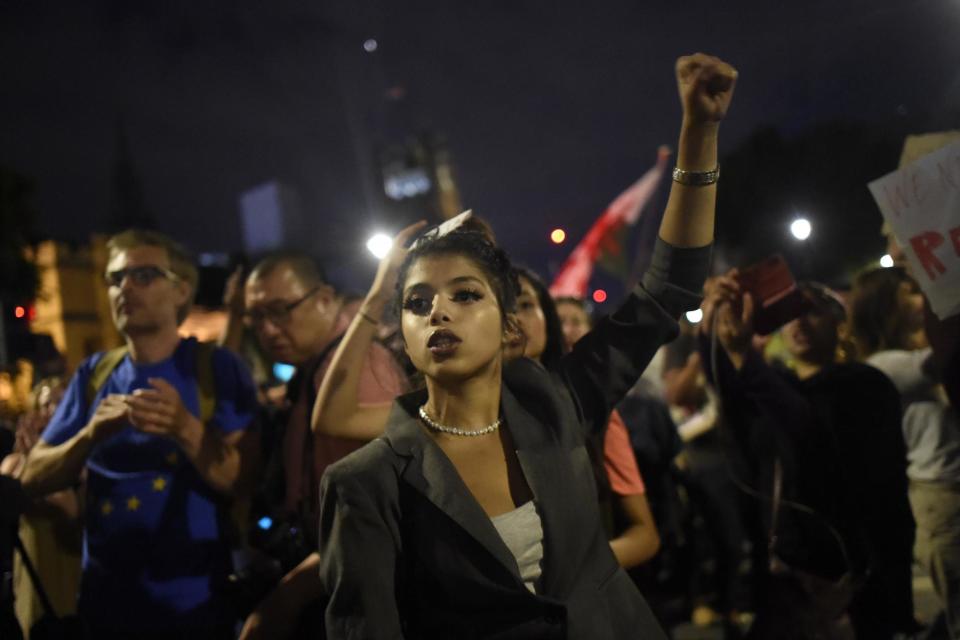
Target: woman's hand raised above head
706,85
385,281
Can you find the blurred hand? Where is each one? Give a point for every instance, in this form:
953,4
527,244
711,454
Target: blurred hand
706,85
29,427
716,290
735,325
233,292
728,311
160,410
110,416
385,282
12,465
275,617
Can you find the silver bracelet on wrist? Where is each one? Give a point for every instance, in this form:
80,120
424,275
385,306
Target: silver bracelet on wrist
696,178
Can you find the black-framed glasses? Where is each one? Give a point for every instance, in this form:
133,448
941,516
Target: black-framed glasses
140,276
277,313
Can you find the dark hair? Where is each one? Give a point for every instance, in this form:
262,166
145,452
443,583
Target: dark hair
824,299
475,246
481,226
876,321
307,271
580,303
554,347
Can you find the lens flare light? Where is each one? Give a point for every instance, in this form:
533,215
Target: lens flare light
379,245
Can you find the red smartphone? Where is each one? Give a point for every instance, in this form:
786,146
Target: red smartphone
776,297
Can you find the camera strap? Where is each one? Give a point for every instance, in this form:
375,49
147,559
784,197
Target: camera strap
34,576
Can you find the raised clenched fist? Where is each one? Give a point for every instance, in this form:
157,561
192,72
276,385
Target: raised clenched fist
706,86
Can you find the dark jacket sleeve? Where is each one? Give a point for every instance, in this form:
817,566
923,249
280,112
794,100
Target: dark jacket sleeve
358,556
606,362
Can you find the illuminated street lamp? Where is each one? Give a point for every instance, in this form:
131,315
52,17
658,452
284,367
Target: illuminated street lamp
801,229
886,261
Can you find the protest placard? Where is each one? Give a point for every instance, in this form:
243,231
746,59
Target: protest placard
921,204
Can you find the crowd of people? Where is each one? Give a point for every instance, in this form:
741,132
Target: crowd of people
461,455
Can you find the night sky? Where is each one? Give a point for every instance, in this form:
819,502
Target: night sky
549,109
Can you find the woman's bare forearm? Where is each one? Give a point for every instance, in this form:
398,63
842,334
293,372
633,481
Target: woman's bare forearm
689,218
337,410
705,84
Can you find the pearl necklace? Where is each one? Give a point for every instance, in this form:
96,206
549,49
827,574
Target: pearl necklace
436,426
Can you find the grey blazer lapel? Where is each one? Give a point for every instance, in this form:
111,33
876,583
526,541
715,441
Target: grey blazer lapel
431,473
543,471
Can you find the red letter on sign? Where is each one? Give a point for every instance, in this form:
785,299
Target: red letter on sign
923,245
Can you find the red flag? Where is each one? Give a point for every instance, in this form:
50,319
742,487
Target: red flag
574,275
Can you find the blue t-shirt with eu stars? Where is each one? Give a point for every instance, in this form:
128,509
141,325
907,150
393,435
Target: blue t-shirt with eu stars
154,553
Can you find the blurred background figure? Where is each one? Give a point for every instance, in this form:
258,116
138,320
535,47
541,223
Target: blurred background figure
718,544
50,530
825,437
628,521
887,318
299,319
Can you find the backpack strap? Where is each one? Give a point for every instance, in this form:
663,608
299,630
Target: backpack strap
102,370
206,386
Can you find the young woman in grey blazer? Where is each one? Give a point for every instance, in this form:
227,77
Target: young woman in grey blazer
475,514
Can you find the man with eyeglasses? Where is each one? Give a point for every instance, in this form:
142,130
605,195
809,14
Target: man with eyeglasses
156,556
298,319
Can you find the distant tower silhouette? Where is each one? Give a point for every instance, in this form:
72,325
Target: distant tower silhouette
128,208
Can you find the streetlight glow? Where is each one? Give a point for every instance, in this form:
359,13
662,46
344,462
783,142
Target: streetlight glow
379,245
886,261
558,236
801,228
695,316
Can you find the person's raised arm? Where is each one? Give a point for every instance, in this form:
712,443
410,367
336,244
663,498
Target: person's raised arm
337,410
606,362
232,335
728,315
51,468
705,84
746,384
